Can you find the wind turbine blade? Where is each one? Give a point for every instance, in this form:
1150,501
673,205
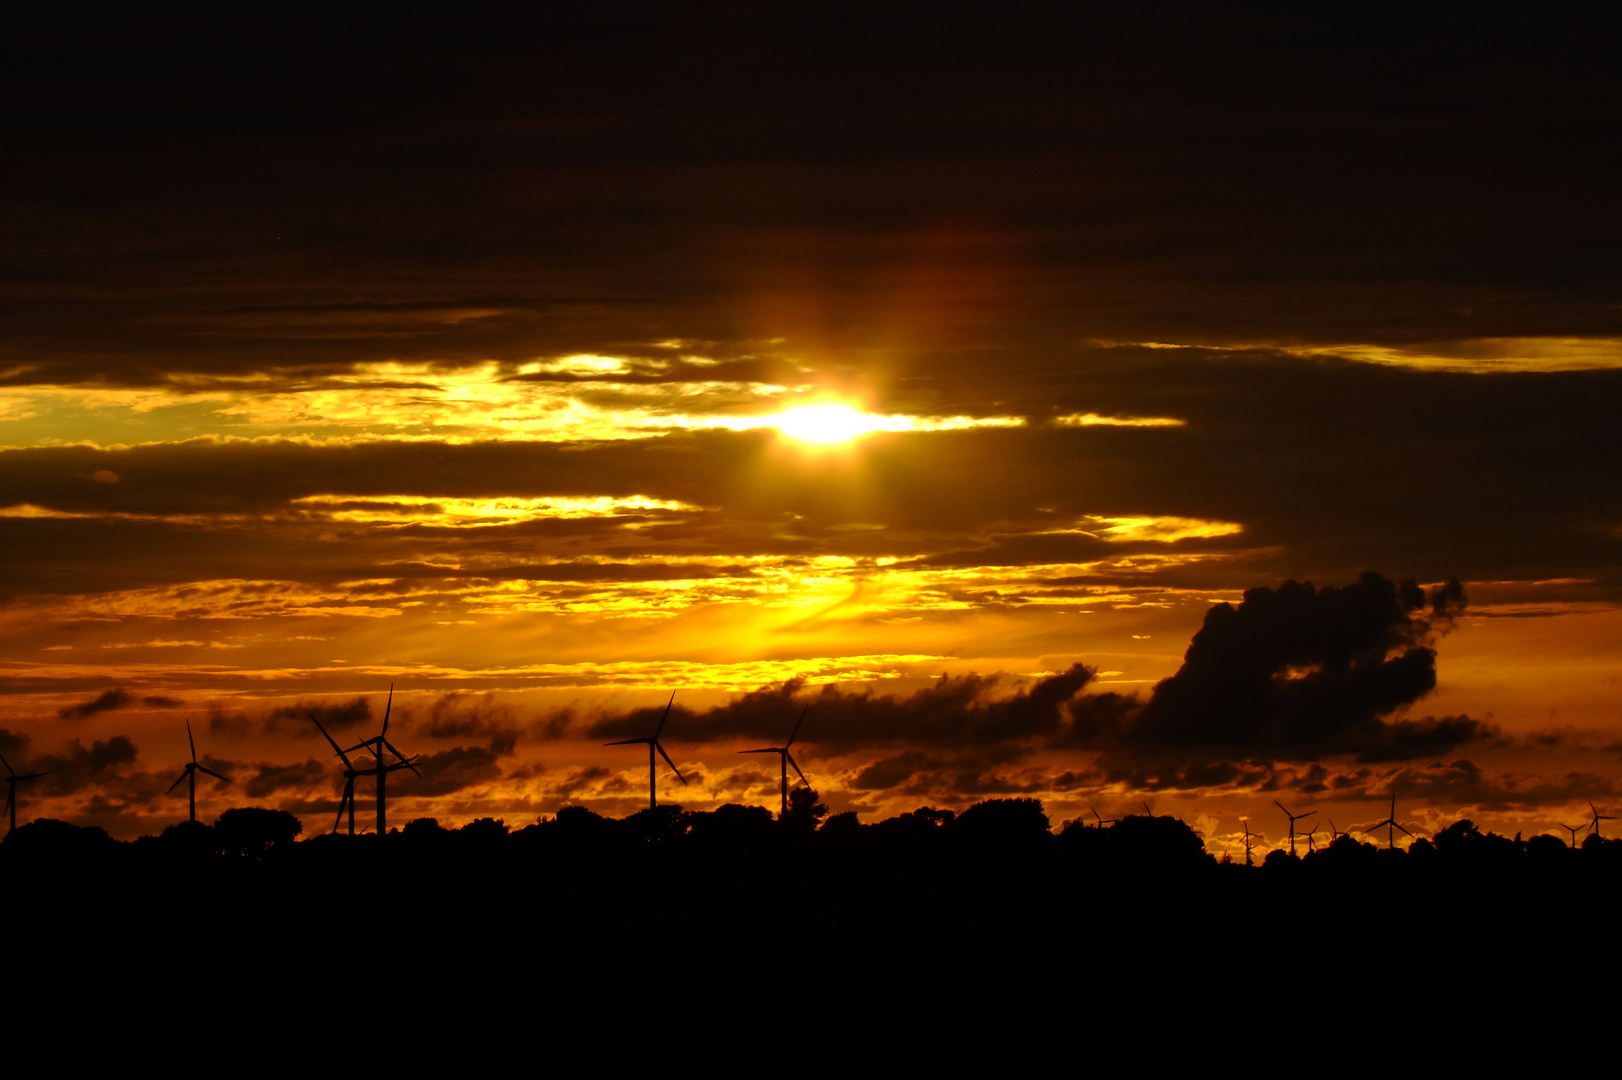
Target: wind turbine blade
764,750
660,729
349,795
395,752
1309,813
7,764
32,776
329,739
1400,829
672,764
211,772
192,741
796,730
1281,807
796,767
176,784
627,742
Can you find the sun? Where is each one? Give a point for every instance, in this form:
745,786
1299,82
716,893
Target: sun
825,424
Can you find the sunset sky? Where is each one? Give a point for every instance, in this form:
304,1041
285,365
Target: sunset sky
543,361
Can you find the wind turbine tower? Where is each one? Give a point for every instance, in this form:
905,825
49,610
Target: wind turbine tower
350,772
379,745
1250,841
12,780
785,759
189,773
654,745
1293,819
1390,825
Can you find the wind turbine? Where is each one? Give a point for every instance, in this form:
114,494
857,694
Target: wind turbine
1334,833
350,772
1148,811
785,759
1391,826
654,745
190,773
377,744
1249,840
1293,819
1102,821
12,780
1598,817
1573,830
1311,847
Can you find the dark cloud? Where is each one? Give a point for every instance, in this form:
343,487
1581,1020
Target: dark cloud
78,768
1291,672
269,778
890,772
954,711
463,716
295,719
449,771
116,698
1464,783
1299,670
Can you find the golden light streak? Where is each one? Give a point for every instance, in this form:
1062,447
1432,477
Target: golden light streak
1096,420
445,512
417,401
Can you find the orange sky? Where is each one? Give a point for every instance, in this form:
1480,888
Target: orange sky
541,380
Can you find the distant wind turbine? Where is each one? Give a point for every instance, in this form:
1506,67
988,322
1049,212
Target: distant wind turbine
1102,821
1293,819
377,745
1148,811
1334,833
654,745
190,772
350,772
785,759
1309,835
1573,830
1250,840
12,780
1390,825
1598,817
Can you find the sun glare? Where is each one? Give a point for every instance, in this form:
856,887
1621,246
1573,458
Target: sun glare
827,423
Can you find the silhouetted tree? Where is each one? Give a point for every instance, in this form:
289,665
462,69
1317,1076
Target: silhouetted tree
49,841
841,827
186,841
1003,823
657,824
252,831
805,810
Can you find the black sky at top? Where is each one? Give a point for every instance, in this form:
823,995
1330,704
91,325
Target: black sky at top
192,190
